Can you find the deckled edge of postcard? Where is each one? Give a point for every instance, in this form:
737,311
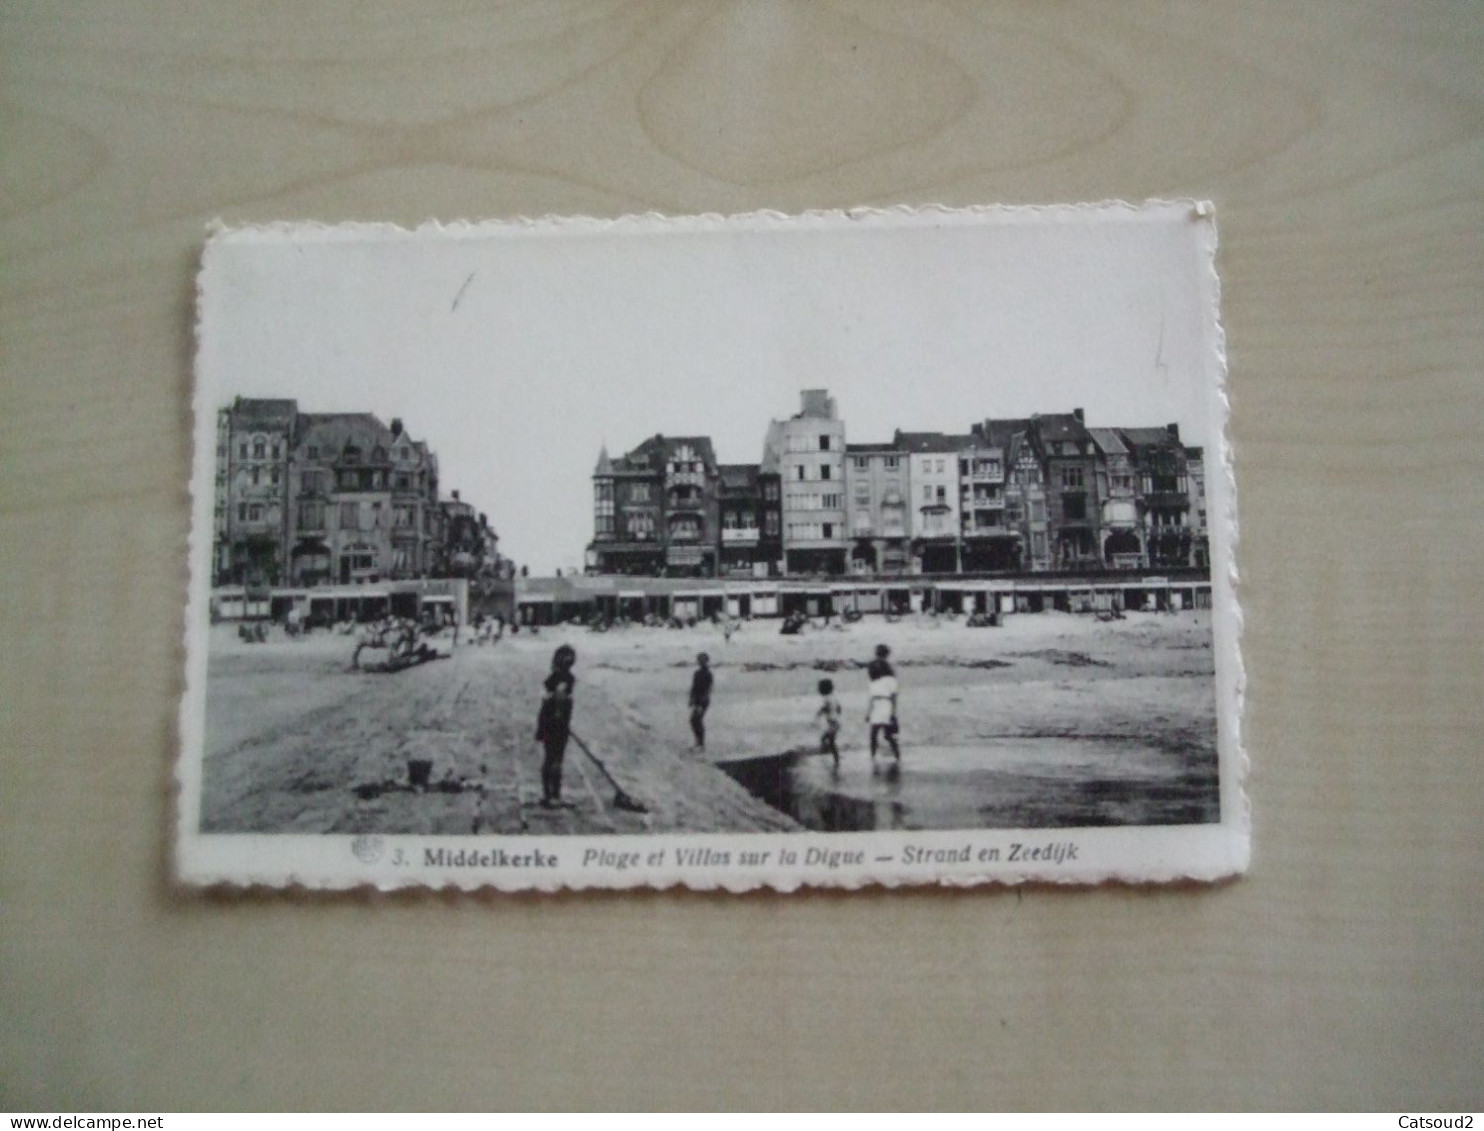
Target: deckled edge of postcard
782,862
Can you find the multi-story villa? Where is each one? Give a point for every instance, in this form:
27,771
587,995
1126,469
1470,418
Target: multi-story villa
655,510
1069,459
1122,534
811,460
322,498
1159,462
989,540
933,481
876,491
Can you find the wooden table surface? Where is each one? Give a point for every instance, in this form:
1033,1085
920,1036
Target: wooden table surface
1344,146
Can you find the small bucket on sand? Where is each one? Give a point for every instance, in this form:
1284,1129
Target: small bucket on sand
419,772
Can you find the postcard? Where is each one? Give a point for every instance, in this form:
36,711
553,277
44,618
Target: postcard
872,547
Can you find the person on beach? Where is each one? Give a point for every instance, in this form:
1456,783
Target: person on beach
700,698
881,708
829,720
554,724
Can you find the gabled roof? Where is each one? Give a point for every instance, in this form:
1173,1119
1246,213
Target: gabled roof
1150,437
653,453
604,465
1108,441
332,431
998,433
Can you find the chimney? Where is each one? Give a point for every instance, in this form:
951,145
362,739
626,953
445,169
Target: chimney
1174,431
396,426
455,494
1077,413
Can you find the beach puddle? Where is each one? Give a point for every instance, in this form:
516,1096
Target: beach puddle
1055,782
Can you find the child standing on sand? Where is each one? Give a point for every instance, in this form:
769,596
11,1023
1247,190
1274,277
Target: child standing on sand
554,724
829,720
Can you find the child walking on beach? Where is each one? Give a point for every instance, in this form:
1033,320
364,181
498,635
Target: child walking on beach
881,711
554,724
829,720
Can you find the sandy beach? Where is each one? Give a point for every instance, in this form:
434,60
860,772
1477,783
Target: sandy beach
1053,720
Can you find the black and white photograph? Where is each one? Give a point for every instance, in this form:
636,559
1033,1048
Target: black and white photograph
845,548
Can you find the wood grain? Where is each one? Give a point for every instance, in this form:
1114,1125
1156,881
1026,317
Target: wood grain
1344,145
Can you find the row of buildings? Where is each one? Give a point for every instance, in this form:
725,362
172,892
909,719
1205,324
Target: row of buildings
1042,493
309,499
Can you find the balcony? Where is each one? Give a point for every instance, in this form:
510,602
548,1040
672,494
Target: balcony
986,530
685,478
740,536
1167,500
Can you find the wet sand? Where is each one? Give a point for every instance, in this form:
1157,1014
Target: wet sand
1054,720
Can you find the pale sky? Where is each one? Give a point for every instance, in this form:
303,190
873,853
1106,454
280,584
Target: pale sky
515,351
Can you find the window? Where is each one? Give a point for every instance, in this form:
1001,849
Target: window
639,492
404,515
861,463
824,471
241,512
941,465
861,521
1074,508
277,451
255,512
770,524
1122,482
403,453
770,491
253,477
829,529
242,451
641,526
891,463
942,494
350,516
273,477
352,454
378,481
311,516
375,516
258,449
402,481
824,443
1071,477
603,525
799,472
313,452
927,493
832,502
